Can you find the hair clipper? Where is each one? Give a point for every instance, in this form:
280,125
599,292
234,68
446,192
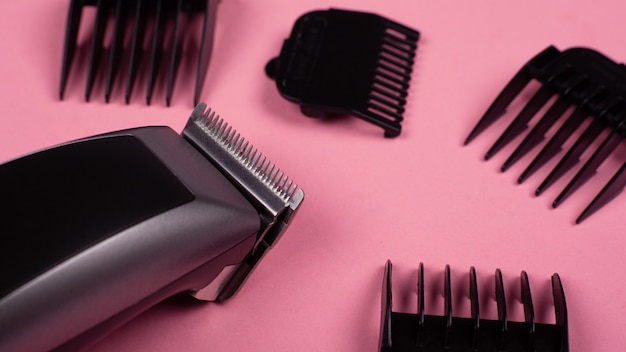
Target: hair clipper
98,230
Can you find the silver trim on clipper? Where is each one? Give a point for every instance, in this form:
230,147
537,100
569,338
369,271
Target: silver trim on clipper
275,196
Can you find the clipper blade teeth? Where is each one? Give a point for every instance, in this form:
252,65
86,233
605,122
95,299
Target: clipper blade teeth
402,332
275,197
244,152
592,87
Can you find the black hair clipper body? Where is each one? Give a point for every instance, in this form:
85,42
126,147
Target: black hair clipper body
98,230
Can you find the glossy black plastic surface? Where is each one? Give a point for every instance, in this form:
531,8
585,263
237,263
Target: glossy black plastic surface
145,21
590,86
340,62
63,200
402,332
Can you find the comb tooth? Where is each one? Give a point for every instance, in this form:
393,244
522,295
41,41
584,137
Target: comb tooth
531,69
572,157
405,74
521,121
537,134
407,36
610,191
554,145
385,111
406,44
560,310
447,308
116,47
529,311
502,315
176,51
96,46
156,49
498,107
407,60
590,167
136,48
385,334
399,108
407,65
475,309
402,83
69,48
420,304
399,99
206,46
403,47
391,87
410,34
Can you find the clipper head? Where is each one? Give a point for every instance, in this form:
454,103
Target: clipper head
340,62
272,193
432,333
580,78
145,21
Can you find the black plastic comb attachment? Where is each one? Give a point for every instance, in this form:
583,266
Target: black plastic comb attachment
163,24
402,332
595,88
340,62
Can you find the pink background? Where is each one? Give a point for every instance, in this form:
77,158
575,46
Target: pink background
421,197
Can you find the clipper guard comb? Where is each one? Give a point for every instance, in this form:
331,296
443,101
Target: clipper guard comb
433,333
147,21
595,86
340,62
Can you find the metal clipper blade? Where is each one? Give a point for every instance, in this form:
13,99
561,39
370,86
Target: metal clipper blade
272,193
